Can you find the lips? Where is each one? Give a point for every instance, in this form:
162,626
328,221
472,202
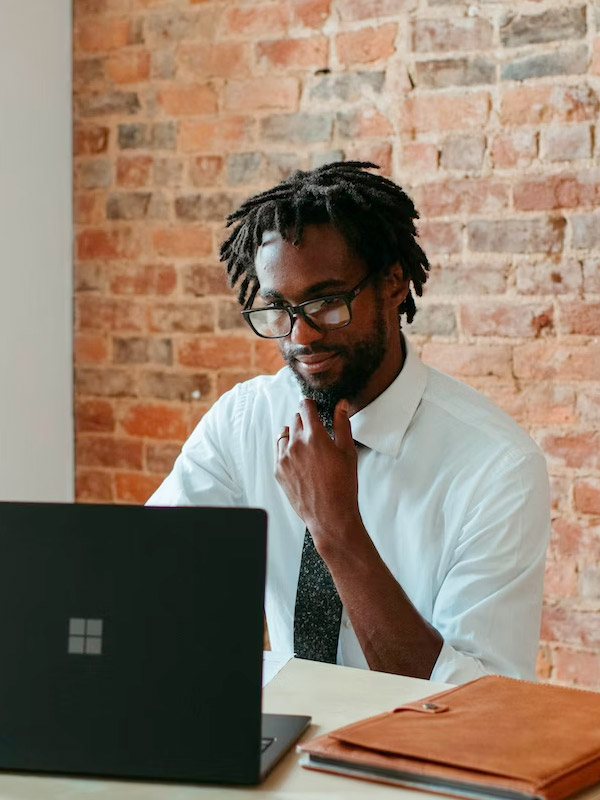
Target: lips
316,362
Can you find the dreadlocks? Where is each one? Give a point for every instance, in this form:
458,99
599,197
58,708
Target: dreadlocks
375,216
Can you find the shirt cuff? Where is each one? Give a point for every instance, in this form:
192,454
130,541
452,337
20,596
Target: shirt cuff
452,666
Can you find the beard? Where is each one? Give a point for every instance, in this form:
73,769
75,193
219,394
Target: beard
361,360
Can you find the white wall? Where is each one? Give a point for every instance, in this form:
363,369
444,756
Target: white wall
36,420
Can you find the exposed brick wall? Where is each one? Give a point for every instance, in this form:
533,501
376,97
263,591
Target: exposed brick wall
485,113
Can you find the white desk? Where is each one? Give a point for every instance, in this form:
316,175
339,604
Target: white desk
332,695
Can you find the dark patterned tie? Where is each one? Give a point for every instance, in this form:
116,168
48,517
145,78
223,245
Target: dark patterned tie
318,611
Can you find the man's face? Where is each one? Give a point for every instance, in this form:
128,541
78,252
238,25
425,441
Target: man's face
348,362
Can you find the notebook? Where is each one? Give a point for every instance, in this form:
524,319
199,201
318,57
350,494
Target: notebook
109,619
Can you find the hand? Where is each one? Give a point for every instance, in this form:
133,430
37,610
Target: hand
319,474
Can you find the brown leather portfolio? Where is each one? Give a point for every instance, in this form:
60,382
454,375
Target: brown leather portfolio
494,737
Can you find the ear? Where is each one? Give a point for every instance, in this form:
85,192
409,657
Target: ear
396,286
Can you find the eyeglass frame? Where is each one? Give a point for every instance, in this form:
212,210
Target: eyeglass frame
296,311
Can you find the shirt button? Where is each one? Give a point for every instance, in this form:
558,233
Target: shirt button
348,624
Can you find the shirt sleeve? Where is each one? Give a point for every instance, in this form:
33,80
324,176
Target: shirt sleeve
488,609
207,471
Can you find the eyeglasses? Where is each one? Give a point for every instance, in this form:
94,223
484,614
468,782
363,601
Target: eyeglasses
322,314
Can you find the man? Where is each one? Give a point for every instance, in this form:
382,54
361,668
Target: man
408,516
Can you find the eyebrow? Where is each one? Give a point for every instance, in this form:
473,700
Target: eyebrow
315,291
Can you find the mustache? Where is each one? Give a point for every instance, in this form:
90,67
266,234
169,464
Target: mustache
294,352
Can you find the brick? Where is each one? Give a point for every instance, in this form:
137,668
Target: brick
157,136
306,53
108,451
420,158
105,382
440,237
434,320
554,24
468,361
89,75
90,348
142,350
577,449
570,626
297,128
364,123
201,280
173,27
580,317
348,86
311,13
107,313
108,103
266,356
514,149
566,142
569,540
366,45
588,406
444,112
559,492
551,361
532,235
460,279
586,231
103,35
586,495
142,279
94,416
162,65
207,207
196,317
558,191
88,208
90,140
441,35
135,205
135,488
229,316
256,20
379,153
591,276
543,668
279,93
471,196
179,101
590,582
94,243
171,386
89,277
577,667
531,105
214,352
129,66
155,422
506,319
560,579
244,168
441,73
134,171
595,65
206,170
168,172
356,10
181,242
463,153
545,403
93,173
227,380
213,59
93,486
214,134
562,277
281,165
160,457
560,62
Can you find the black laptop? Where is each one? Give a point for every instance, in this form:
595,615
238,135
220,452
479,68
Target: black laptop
131,643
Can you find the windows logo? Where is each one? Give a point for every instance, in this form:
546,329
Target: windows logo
85,636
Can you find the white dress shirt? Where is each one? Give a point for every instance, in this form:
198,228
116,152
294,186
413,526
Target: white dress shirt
452,492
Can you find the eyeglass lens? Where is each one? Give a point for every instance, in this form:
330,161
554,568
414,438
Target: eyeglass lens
326,314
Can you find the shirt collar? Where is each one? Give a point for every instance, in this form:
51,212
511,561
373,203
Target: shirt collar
383,423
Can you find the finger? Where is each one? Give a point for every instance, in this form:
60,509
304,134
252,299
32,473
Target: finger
342,431
283,438
310,416
296,427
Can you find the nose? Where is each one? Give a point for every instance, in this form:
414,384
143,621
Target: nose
303,333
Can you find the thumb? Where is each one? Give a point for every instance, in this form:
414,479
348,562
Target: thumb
342,432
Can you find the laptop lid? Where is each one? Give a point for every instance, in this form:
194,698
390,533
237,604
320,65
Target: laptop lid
132,640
